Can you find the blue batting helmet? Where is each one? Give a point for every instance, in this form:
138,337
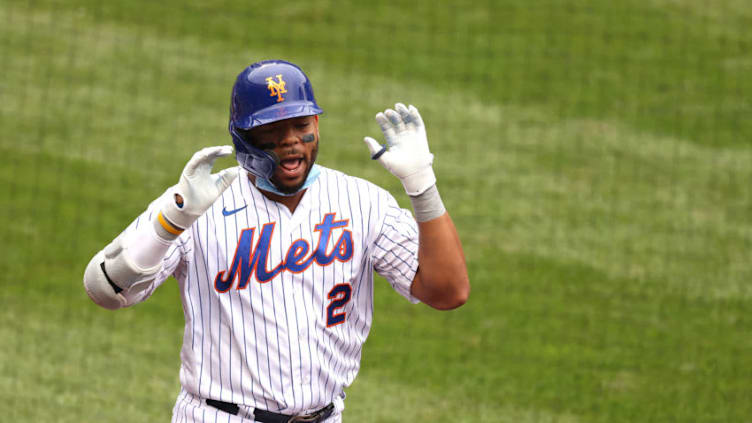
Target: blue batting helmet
266,92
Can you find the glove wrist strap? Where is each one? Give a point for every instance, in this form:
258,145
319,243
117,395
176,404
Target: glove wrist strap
418,182
428,205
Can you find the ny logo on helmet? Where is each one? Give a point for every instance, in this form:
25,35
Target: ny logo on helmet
276,88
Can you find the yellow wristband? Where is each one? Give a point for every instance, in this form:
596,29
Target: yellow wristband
168,226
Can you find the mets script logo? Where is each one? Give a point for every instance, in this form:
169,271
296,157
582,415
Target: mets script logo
276,88
252,260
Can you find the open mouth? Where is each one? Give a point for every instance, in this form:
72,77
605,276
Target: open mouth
291,167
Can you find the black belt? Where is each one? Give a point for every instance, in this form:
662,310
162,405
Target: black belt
269,417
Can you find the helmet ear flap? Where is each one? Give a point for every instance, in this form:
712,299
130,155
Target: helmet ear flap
256,161
245,136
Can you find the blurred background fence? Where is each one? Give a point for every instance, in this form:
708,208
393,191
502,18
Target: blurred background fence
596,157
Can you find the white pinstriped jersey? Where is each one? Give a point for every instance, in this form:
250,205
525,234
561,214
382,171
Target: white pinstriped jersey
277,305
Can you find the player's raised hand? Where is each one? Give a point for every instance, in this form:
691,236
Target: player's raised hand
406,153
198,188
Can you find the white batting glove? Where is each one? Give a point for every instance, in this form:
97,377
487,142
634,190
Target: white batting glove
197,189
406,154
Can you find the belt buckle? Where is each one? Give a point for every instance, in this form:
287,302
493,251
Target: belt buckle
313,417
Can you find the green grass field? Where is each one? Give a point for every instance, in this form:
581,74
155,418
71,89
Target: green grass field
596,157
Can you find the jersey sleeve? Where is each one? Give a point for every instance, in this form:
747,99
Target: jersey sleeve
173,262
395,250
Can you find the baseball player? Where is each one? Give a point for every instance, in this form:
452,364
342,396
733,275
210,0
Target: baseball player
275,257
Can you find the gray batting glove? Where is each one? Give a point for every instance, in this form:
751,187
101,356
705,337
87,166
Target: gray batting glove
197,189
406,153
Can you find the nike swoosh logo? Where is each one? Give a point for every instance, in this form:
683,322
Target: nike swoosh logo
225,212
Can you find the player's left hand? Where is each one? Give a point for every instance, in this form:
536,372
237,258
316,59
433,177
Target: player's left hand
406,154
